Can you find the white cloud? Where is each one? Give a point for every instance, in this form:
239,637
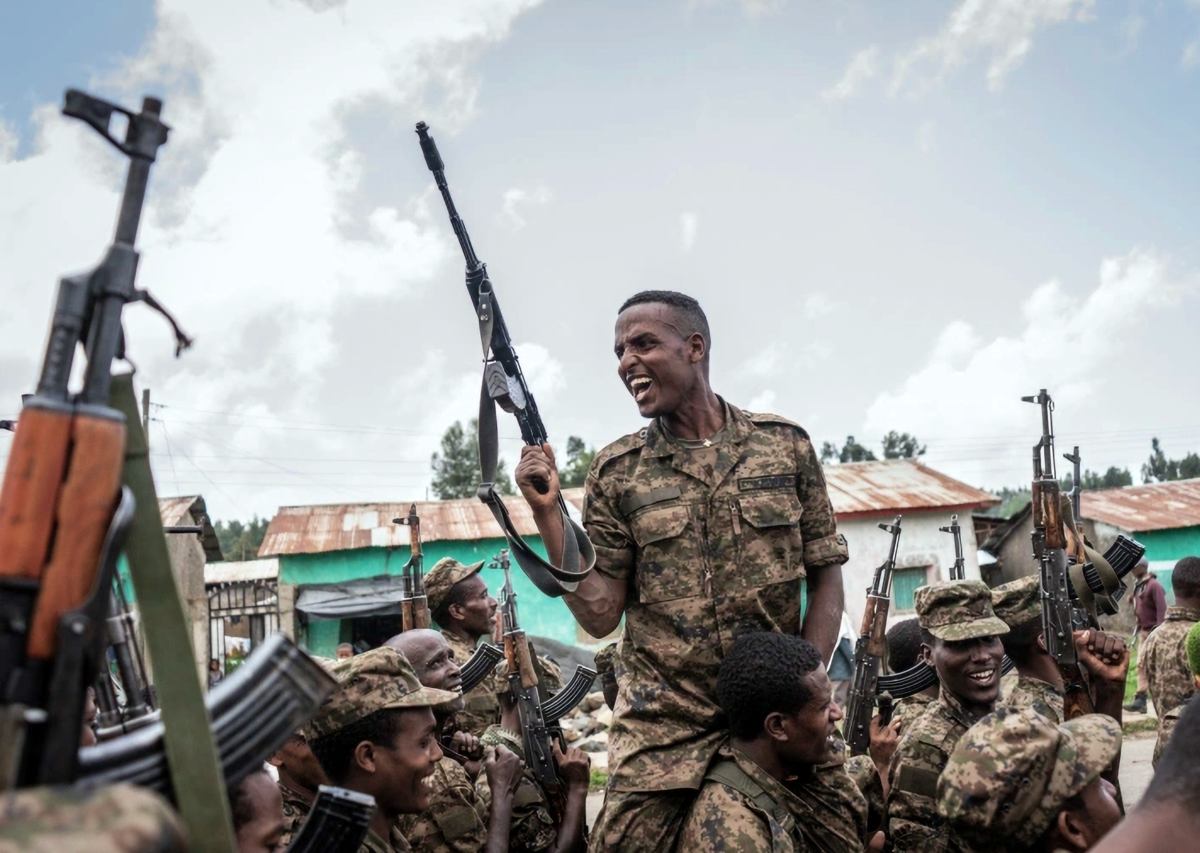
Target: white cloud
971,386
1003,29
927,137
8,143
510,213
1132,28
817,305
762,402
863,66
689,222
751,8
1191,55
779,357
765,361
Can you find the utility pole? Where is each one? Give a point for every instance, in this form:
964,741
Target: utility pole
146,415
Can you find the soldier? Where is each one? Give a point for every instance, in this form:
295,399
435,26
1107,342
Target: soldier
961,640
300,775
904,652
1163,657
257,809
541,822
1168,721
778,785
79,819
465,612
1150,606
376,734
704,524
1039,682
1018,782
457,820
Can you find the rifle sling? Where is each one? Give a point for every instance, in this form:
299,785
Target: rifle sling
187,733
728,773
578,554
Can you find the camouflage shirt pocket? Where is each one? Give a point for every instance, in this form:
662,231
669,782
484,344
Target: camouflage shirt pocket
669,564
770,547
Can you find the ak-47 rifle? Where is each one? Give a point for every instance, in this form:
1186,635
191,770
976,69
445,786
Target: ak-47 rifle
139,708
337,822
1076,463
414,606
537,716
504,385
1060,604
64,513
871,649
958,572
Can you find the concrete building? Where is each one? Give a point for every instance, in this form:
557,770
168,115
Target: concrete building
338,564
192,544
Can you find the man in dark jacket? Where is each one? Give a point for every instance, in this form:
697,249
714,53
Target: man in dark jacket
1150,604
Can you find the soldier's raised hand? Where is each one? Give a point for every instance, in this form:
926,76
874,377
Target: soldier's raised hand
574,766
503,769
537,466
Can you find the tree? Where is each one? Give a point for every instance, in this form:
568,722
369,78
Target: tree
241,541
1159,469
851,451
579,460
456,468
901,445
1113,478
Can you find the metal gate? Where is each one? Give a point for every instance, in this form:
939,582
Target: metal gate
246,610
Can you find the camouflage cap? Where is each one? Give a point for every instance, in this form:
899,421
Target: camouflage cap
958,610
1012,772
79,819
445,573
1016,602
373,681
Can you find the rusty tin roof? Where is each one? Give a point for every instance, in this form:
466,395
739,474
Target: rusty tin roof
1155,506
898,485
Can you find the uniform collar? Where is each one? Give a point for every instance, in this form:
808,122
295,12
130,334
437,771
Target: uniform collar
737,428
955,708
1179,613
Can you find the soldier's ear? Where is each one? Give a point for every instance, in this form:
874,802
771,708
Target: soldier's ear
927,653
364,756
773,725
1070,826
1042,642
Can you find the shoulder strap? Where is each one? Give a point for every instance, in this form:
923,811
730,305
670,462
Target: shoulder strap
728,773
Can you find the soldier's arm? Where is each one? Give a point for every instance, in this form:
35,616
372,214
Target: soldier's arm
824,552
453,808
574,768
720,823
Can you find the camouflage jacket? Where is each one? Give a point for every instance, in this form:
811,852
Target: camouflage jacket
1164,659
714,541
911,707
394,843
453,823
865,775
108,819
481,708
296,807
533,827
1039,695
912,816
825,812
1166,726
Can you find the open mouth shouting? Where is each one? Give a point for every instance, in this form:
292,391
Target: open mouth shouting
639,386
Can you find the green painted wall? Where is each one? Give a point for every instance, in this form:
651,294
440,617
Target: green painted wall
540,615
1170,545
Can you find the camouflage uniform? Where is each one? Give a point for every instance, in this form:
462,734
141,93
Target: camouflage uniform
1010,775
1166,727
952,610
714,541
111,819
1164,659
373,681
1039,695
454,822
1017,603
296,807
911,707
825,812
533,827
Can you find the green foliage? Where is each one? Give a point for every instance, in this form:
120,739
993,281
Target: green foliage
456,468
1113,478
851,451
599,780
1159,469
579,460
901,445
241,541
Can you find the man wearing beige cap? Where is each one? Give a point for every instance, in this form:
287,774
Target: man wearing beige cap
376,735
1018,782
464,611
960,637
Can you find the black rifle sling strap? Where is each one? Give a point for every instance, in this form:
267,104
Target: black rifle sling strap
728,773
578,554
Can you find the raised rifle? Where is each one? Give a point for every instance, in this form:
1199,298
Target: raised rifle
64,513
1076,463
537,716
504,385
871,649
337,822
1060,604
414,606
958,572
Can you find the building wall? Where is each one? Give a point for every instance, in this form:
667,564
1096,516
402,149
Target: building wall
540,615
187,561
921,544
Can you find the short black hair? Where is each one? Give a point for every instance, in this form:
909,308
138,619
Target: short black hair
1185,577
1177,777
688,309
457,594
904,645
1021,641
239,801
762,675
334,752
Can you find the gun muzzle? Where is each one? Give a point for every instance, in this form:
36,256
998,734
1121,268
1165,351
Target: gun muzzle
429,148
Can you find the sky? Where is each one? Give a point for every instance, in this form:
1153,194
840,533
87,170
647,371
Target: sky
897,217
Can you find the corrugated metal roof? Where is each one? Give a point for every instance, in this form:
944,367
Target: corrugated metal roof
242,570
344,527
190,511
896,485
1156,506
